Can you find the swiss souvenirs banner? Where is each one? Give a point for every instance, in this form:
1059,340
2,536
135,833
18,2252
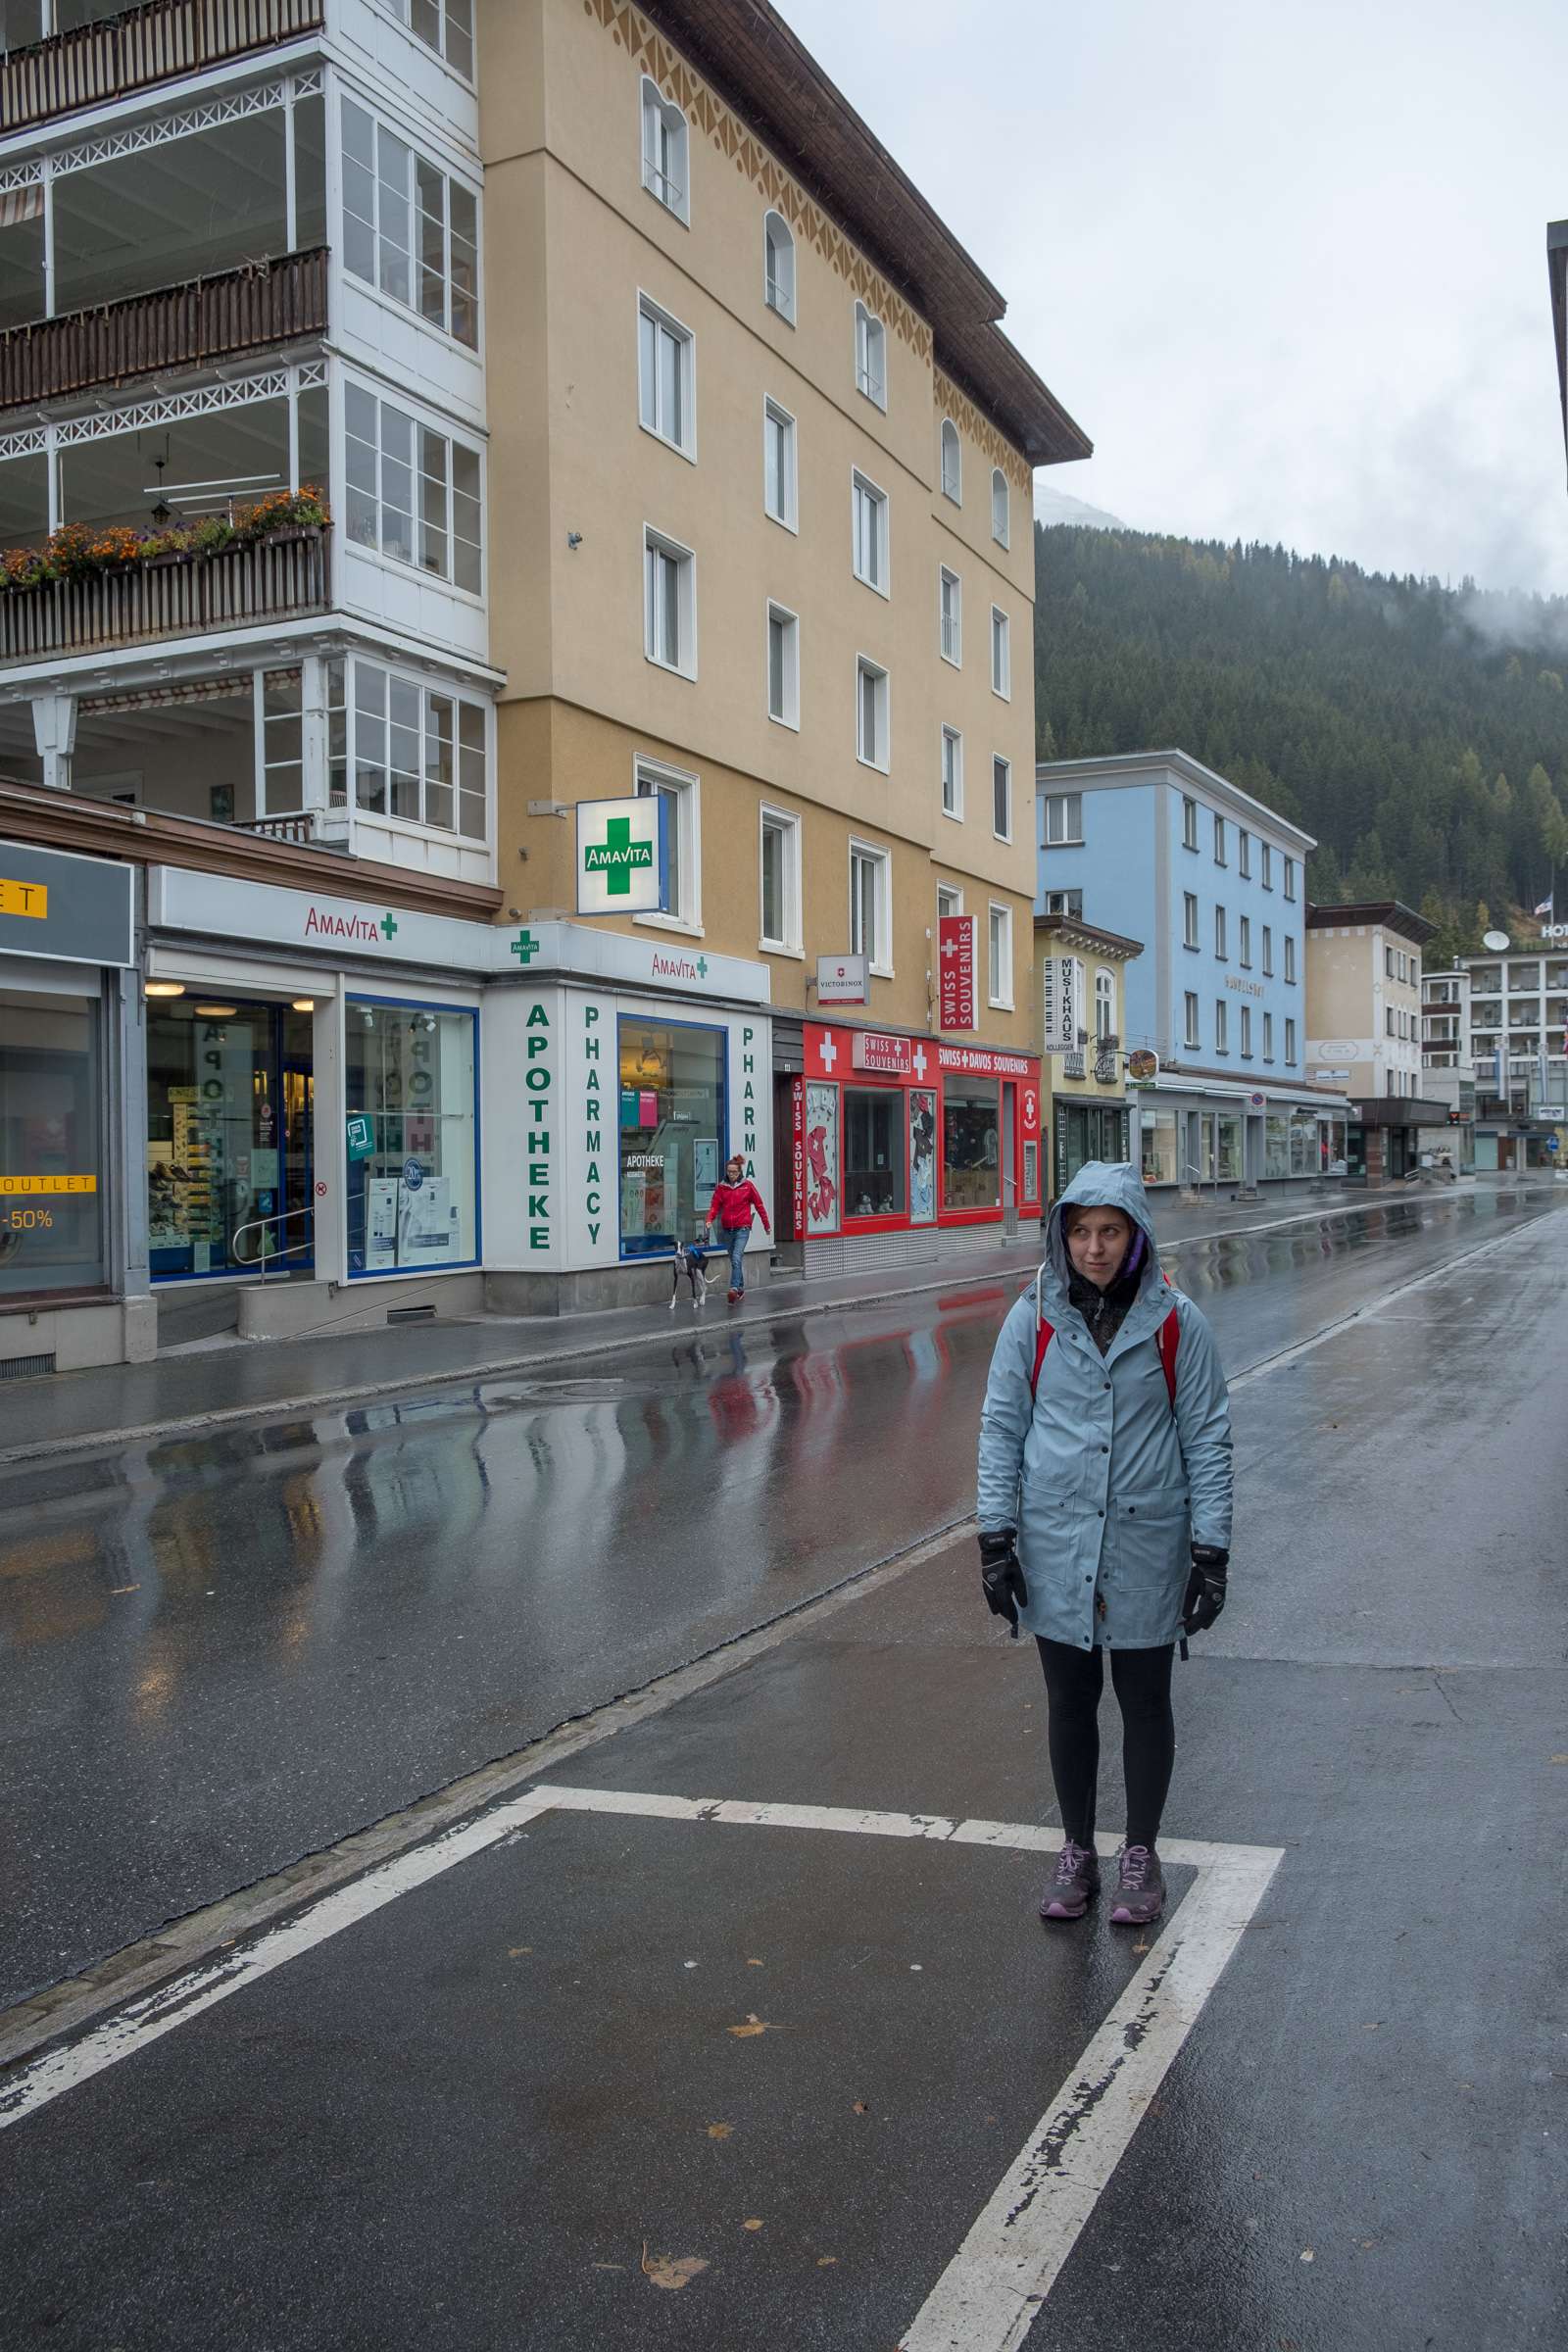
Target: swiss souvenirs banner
955,953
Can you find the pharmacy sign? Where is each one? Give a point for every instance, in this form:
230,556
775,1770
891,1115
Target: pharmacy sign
622,856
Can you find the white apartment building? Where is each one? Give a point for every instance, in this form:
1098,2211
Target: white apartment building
1445,1019
1513,1018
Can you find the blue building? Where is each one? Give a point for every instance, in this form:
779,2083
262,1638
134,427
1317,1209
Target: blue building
1154,844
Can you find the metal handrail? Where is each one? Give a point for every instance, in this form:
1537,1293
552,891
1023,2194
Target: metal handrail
260,1224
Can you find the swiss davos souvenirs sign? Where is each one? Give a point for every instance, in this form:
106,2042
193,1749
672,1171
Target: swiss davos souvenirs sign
955,971
623,856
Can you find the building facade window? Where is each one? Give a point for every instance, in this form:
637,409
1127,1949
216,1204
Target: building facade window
1001,798
1268,1037
870,355
1189,919
413,1070
669,604
873,732
779,477
951,772
778,267
1290,957
408,228
667,405
413,495
1064,819
869,532
414,751
1244,853
950,901
1221,1026
1104,1005
1000,965
51,1143
871,906
1066,901
667,152
1244,953
1290,877
1289,1041
1219,934
444,25
1268,952
874,1173
683,896
1000,508
783,667
971,1128
1190,1028
1189,824
1265,864
671,1131
1000,654
1246,1032
781,881
950,615
1219,840
952,463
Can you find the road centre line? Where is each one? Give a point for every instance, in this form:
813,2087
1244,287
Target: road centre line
136,1969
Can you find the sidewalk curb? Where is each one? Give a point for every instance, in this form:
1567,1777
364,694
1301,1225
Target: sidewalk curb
506,1367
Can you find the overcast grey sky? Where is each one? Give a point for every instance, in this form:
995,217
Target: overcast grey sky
1284,261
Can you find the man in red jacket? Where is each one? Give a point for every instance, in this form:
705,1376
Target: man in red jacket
735,1197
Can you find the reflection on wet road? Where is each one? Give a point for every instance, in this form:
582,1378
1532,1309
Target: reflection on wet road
220,1652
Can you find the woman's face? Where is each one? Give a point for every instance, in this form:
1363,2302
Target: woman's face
732,1169
1097,1243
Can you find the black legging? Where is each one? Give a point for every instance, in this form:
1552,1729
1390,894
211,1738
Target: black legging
1141,1679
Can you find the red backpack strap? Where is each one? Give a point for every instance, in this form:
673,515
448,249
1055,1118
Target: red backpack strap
1170,1339
1044,1332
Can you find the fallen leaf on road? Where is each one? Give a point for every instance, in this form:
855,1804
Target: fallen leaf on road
515,1951
753,2026
720,2131
862,2108
115,1590
672,2270
750,2225
1307,2254
757,1964
609,2266
825,2262
1550,1760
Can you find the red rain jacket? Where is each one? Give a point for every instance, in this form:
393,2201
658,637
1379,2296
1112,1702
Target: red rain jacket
733,1203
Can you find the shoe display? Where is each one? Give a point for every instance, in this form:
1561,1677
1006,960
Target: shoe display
1140,1888
1075,1883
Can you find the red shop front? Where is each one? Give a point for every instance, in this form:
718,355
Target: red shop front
913,1136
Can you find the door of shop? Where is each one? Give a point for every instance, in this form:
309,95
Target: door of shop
1009,1157
230,1136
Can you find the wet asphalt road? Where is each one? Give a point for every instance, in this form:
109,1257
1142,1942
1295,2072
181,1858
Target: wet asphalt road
217,1654
464,2123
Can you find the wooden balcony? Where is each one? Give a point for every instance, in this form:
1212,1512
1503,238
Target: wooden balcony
190,325
239,587
147,45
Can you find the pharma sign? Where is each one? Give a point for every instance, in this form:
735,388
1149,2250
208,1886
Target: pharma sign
955,953
623,856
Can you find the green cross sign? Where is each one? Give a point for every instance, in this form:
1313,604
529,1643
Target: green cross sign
526,948
388,927
701,967
617,857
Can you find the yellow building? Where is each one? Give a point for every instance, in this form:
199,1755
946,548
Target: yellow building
759,475
1077,984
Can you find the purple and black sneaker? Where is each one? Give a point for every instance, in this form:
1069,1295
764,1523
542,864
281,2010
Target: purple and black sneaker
1140,1888
1076,1881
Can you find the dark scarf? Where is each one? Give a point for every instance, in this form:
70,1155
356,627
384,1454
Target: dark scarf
1106,1310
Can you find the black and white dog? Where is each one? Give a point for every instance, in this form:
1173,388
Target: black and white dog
690,1259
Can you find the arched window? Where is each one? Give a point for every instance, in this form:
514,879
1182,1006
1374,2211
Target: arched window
665,152
1105,1003
999,506
870,355
952,463
778,267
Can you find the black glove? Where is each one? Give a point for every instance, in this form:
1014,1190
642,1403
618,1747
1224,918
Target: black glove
1206,1589
1002,1578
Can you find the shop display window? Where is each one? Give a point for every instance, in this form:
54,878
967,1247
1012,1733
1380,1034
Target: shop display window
873,1152
924,1156
1303,1142
51,1172
411,1093
971,1125
229,1137
1277,1143
671,1131
1157,1146
821,1158
1229,1150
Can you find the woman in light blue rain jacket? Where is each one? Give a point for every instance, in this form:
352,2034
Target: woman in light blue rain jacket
1104,1509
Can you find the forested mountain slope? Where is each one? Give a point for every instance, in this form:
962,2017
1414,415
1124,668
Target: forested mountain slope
1420,732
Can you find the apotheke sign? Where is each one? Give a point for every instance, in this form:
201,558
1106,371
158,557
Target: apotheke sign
623,854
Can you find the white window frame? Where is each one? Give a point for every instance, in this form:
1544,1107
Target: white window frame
1000,508
1189,919
1269,951
1189,1039
1066,839
1189,822
999,983
663,321
685,787
1001,772
950,621
421,517
1265,866
788,826
1000,654
1268,1037
1105,1002
443,14
669,188
862,488
659,542
1244,853
870,356
1246,1033
1221,1026
790,714
951,738
1221,937
1290,959
882,714
950,901
1290,1039
775,414
778,289
882,907
1245,950
1220,838
1290,879
951,479
412,255
346,750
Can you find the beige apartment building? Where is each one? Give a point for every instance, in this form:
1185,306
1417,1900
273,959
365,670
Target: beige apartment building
1363,1028
760,471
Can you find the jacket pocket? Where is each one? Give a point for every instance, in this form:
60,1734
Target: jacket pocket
1151,1536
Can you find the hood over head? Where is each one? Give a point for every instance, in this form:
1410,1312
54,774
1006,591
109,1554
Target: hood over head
1099,1184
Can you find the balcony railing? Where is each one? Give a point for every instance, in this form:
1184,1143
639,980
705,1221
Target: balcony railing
189,325
174,596
96,63
326,827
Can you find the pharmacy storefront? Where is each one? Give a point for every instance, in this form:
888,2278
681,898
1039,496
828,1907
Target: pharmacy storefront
910,1147
70,1270
351,1099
